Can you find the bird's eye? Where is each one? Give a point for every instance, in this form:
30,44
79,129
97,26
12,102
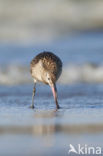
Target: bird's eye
48,78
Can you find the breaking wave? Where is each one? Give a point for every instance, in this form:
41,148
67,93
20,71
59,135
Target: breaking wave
72,73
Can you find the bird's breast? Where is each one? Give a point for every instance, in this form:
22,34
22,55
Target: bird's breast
37,72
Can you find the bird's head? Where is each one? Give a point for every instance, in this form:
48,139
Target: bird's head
50,78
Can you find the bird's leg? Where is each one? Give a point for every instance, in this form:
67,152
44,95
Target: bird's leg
34,90
54,90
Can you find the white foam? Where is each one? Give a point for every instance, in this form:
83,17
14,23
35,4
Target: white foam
82,73
72,73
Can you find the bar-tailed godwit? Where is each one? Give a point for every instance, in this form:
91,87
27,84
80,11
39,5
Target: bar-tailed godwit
46,67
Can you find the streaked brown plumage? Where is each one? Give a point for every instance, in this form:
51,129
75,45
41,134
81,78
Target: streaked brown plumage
46,67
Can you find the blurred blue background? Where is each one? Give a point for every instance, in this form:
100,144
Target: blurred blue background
70,28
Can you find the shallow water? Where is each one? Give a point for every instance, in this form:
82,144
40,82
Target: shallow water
45,131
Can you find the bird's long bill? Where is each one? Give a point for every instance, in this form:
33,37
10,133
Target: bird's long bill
54,90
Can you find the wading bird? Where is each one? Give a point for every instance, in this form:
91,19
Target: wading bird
46,67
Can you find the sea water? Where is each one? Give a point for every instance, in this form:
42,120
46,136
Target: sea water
45,130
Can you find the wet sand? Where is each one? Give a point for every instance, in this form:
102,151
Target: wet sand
45,131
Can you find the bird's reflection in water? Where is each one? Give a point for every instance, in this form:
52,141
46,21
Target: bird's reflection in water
46,125
47,113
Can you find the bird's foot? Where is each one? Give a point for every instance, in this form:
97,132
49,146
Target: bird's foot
32,107
57,107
